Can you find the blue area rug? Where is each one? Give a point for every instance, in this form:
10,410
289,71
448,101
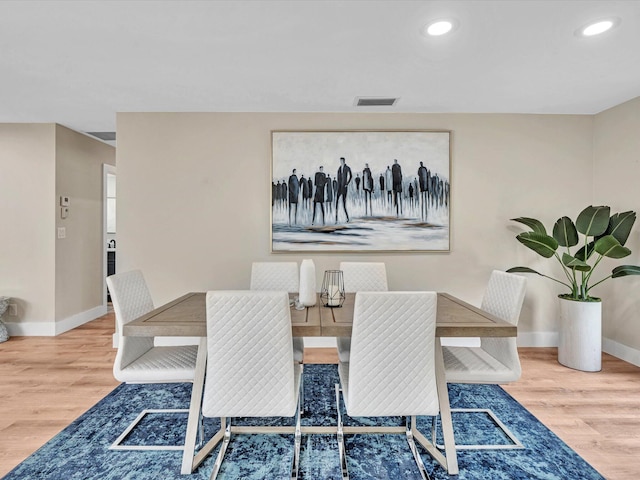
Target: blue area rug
81,450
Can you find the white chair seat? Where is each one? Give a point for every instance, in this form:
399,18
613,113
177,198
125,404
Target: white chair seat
297,379
162,364
475,365
343,372
298,349
344,348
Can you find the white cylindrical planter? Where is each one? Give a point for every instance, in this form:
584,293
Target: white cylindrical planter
307,291
580,343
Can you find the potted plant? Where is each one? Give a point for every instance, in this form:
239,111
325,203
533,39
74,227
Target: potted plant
603,235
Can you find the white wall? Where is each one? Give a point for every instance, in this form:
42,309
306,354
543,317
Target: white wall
616,183
194,199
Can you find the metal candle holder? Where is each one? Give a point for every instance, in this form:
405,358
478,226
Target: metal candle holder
332,292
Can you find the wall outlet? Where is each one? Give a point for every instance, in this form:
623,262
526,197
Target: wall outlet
62,232
13,310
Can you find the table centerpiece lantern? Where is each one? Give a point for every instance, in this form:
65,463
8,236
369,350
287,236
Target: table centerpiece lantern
332,293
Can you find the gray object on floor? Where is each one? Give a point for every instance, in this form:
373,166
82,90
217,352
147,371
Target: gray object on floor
4,304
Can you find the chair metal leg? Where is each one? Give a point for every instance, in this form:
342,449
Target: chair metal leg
301,393
515,445
414,450
434,429
297,441
189,463
341,448
200,432
223,449
116,445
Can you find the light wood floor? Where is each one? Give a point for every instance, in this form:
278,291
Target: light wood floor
47,382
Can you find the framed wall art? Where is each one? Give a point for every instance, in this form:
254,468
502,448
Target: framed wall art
360,191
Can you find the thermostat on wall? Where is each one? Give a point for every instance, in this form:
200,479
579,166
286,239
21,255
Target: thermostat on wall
64,201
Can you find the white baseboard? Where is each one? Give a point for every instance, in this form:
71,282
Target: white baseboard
528,340
174,341
80,319
319,342
550,339
328,342
31,329
621,351
538,339
460,341
51,329
164,341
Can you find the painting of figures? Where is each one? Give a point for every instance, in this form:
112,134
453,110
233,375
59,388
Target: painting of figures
360,191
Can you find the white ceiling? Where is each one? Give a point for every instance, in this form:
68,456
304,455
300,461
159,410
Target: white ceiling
78,63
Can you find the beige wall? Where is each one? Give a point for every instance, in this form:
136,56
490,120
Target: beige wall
79,256
616,182
27,223
194,198
56,284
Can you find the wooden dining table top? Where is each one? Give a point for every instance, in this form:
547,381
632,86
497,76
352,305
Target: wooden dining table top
186,317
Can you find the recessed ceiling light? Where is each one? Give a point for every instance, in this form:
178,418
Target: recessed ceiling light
596,28
438,27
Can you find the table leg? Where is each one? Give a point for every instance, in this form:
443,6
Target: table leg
445,412
194,408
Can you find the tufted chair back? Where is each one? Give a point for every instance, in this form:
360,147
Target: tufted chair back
360,277
250,365
276,276
391,369
364,276
131,299
503,298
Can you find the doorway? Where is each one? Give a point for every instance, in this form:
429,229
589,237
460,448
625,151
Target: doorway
109,225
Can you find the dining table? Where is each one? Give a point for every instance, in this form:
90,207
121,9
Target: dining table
186,317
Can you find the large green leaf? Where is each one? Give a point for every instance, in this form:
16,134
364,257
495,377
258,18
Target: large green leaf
523,270
532,223
580,253
610,247
624,270
574,263
620,225
593,221
564,231
540,243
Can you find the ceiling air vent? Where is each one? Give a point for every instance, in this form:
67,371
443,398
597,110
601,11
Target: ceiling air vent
375,101
106,136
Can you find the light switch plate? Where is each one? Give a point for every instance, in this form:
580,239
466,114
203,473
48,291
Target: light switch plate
64,212
64,201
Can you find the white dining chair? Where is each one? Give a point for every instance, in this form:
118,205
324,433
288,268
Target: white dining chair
360,277
277,276
496,360
390,378
137,359
257,377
